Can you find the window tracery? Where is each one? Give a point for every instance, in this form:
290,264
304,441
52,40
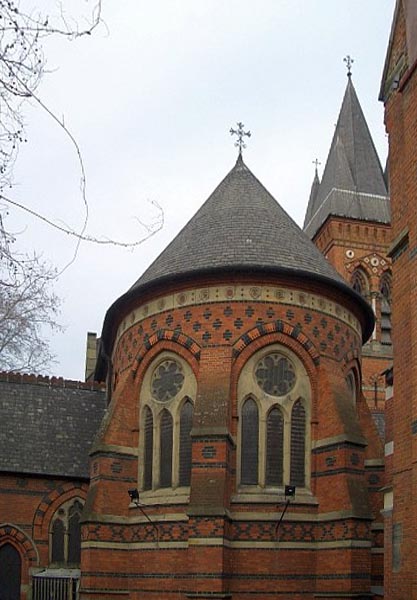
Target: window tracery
65,534
166,400
274,407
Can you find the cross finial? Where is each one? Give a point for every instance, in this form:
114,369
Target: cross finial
240,135
316,162
349,62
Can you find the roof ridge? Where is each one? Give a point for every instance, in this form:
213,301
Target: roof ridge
24,378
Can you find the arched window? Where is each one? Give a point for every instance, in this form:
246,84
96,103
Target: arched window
385,289
186,423
10,572
352,387
65,534
74,533
250,443
274,415
165,445
58,541
148,449
298,436
360,283
274,447
166,419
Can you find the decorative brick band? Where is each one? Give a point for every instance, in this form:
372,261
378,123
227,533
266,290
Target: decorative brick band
172,336
240,293
278,326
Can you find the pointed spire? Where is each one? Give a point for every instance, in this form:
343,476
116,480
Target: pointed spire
314,189
352,166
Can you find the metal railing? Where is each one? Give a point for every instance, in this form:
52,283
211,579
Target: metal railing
53,588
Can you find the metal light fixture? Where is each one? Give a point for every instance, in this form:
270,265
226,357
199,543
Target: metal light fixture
134,498
289,492
133,494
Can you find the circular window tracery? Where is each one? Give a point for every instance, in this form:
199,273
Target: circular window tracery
275,374
167,380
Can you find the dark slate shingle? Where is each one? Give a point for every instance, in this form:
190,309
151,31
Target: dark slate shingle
46,429
352,166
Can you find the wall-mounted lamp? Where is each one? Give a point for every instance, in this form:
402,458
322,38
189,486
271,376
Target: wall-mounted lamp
134,497
289,492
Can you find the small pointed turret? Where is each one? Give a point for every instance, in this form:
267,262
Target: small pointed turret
314,191
353,183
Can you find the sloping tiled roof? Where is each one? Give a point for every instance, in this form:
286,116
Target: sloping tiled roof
47,426
240,229
353,183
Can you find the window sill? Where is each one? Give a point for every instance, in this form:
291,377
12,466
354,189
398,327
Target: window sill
179,495
258,495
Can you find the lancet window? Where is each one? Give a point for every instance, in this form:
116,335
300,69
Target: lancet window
65,534
385,290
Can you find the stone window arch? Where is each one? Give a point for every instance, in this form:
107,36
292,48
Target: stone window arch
385,287
274,407
166,413
360,282
65,533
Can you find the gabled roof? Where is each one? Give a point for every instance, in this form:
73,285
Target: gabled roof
47,427
240,229
352,170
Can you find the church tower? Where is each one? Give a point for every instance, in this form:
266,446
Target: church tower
348,219
236,426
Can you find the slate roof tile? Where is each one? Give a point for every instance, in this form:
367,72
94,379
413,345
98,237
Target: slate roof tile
352,166
47,429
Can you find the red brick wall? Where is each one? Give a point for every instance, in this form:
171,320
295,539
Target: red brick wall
401,123
220,541
351,245
27,505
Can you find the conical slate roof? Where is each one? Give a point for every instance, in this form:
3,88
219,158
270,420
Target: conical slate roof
240,226
240,229
353,183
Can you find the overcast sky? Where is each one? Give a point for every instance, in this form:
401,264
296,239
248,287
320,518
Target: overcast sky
150,99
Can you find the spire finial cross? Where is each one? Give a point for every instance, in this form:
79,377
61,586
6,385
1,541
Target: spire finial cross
240,135
349,62
316,162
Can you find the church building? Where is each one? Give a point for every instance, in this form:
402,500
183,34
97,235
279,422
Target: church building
248,459
245,446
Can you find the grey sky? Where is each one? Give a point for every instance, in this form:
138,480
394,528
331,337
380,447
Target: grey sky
151,101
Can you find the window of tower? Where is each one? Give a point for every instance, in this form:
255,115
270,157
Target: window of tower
360,282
